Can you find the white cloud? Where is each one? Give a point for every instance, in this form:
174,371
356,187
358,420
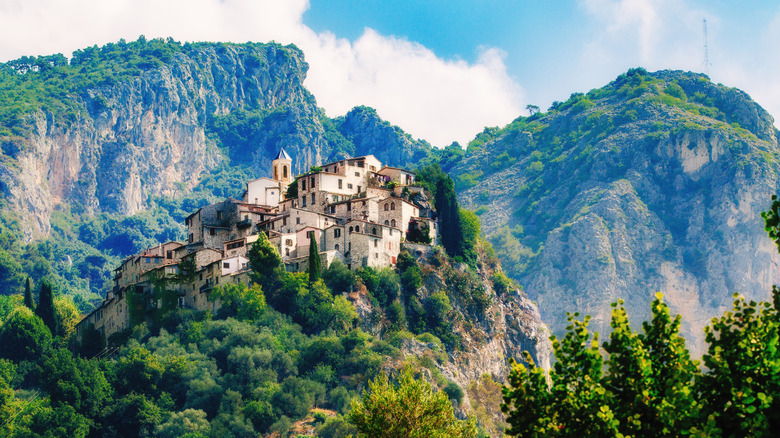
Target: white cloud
668,34
431,98
655,34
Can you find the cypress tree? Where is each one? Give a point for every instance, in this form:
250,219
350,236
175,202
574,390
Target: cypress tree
449,217
28,298
315,265
45,309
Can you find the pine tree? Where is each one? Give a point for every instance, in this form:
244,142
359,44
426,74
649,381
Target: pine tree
315,265
45,309
28,298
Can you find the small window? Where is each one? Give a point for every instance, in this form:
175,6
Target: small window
169,255
313,198
226,265
389,245
337,232
392,223
219,215
284,221
392,206
376,255
373,231
349,186
289,242
212,231
337,247
304,201
357,173
357,229
387,208
341,183
376,243
284,172
312,182
351,229
297,221
303,185
309,234
287,251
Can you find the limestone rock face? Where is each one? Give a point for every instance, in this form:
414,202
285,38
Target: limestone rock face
140,138
372,135
619,195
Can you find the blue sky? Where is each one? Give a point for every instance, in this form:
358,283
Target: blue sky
441,70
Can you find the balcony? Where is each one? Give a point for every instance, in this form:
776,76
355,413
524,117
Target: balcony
207,287
245,223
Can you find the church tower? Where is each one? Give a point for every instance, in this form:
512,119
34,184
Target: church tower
282,167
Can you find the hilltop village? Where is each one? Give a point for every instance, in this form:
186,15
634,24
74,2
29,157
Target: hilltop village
358,211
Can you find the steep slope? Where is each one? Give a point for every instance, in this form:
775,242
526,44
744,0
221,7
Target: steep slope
652,183
125,123
153,129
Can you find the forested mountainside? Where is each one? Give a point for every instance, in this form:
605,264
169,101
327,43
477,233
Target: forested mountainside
104,155
654,182
152,129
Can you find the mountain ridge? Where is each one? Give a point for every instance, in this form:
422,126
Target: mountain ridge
654,182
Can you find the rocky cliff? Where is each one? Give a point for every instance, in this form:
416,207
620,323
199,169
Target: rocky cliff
483,322
150,132
652,183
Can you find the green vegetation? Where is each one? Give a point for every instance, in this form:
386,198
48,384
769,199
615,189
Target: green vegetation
253,368
646,384
409,408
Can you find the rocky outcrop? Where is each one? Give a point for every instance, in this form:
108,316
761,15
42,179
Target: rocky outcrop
372,135
619,196
142,137
484,340
147,135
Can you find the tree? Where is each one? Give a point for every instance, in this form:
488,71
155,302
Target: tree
264,260
470,229
406,408
532,109
75,382
28,298
246,302
24,336
292,190
315,264
449,217
68,316
317,309
642,387
338,277
45,309
742,388
190,423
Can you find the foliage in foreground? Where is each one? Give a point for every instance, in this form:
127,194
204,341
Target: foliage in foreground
646,385
408,408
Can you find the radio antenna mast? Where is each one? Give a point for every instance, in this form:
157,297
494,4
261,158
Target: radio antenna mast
707,63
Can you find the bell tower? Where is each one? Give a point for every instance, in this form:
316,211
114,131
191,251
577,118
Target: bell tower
282,167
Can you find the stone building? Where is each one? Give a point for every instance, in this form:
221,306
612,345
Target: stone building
358,211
